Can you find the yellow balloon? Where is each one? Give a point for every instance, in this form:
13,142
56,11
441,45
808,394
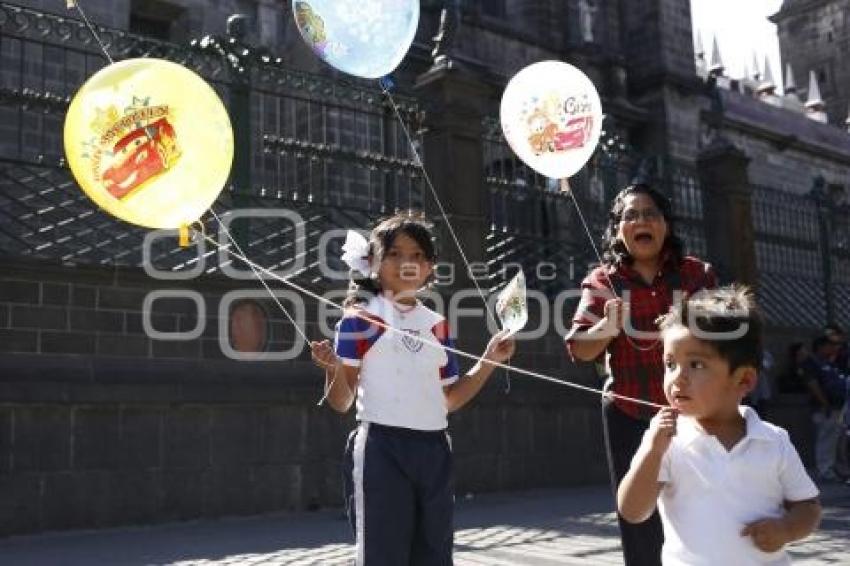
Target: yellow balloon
150,142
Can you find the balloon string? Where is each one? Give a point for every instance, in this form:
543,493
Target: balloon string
442,212
437,199
76,4
565,188
256,274
430,343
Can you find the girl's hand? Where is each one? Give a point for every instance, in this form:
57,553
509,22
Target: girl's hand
500,348
615,315
662,429
323,354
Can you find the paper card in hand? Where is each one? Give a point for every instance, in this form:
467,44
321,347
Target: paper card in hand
511,305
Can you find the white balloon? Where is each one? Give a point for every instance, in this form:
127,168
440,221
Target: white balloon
552,118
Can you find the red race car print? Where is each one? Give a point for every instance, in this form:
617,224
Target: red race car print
139,156
575,134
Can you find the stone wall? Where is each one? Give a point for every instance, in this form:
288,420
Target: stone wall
102,426
790,169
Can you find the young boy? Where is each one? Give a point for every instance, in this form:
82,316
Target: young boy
730,488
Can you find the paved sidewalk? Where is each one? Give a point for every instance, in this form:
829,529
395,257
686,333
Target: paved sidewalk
567,527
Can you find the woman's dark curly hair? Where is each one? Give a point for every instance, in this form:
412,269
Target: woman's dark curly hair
383,235
614,251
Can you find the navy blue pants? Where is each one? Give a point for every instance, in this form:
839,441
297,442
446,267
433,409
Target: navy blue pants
398,495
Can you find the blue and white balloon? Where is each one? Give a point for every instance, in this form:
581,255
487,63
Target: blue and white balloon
366,38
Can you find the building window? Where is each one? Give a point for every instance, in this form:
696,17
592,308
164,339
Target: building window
155,18
493,8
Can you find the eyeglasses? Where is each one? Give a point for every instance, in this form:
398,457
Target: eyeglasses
648,215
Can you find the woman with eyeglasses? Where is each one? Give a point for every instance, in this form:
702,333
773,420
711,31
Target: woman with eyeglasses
643,269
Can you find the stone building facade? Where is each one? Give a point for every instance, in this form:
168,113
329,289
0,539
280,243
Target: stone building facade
813,36
105,424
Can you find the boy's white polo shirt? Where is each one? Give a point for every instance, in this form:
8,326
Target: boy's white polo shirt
711,494
401,378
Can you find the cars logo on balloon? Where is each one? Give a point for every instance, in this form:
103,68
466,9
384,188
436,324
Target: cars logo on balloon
149,142
146,146
551,116
366,38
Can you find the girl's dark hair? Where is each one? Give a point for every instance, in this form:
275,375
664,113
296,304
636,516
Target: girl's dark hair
614,250
414,226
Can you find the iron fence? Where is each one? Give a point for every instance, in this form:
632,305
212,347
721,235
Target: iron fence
334,151
533,223
802,256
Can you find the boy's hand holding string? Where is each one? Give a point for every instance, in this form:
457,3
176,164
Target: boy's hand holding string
638,492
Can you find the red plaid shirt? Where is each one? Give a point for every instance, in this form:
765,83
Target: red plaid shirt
636,365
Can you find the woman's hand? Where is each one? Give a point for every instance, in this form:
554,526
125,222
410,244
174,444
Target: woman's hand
499,349
323,355
615,315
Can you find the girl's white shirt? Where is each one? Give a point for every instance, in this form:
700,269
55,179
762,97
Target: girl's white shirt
401,378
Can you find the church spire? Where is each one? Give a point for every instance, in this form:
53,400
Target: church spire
699,57
815,105
814,101
699,50
790,83
791,99
767,86
716,65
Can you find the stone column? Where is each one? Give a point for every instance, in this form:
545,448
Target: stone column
824,215
727,198
456,98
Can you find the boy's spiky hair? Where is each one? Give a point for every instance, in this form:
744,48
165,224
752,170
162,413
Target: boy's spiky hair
726,318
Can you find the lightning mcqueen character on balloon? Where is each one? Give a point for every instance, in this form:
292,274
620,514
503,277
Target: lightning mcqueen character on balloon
575,134
547,136
139,156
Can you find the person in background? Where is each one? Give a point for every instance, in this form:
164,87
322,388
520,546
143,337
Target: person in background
837,335
644,266
828,391
793,378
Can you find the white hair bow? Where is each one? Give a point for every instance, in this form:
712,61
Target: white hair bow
356,253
